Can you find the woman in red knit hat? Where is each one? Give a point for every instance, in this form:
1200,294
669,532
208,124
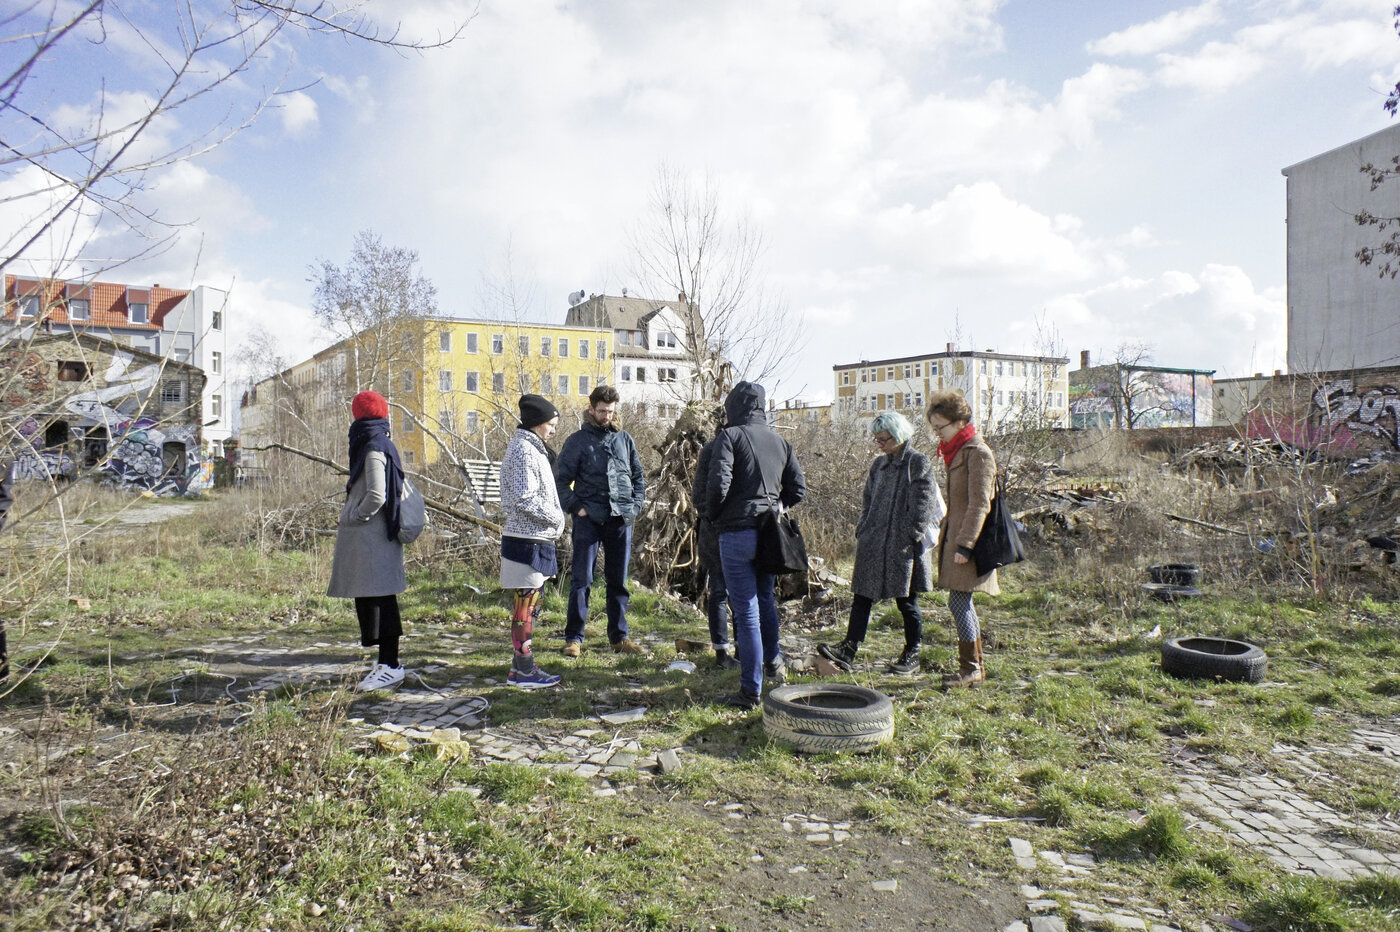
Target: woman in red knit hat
368,563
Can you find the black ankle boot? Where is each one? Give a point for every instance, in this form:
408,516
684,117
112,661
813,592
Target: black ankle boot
843,655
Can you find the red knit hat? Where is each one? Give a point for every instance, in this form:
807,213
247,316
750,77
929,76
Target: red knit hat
369,404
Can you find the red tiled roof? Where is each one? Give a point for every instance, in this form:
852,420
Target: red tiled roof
107,302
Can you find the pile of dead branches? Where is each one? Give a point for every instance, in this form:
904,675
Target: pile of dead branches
1234,456
664,545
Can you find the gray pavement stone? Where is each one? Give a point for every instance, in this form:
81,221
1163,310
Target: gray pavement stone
1047,924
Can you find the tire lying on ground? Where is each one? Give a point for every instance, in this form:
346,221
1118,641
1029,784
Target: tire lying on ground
1214,658
819,717
1170,592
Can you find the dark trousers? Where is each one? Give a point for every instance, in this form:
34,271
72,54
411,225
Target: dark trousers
380,624
908,607
615,537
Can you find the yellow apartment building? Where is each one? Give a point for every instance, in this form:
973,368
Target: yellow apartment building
450,382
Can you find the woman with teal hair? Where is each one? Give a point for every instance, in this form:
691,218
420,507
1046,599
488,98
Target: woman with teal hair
899,516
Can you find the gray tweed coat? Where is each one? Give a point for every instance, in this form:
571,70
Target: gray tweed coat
366,563
891,561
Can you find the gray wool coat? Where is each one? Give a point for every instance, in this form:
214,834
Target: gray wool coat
891,560
366,563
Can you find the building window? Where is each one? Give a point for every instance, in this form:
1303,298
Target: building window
445,419
563,347
29,306
668,340
525,383
666,375
470,382
73,372
624,338
933,368
919,401
408,454
216,320
639,338
137,313
864,376
582,383
498,382
546,383
445,341
172,393
626,373
908,371
498,343
889,373
408,381
216,362
524,342
471,343
563,384
602,347
845,378
999,367
78,309
406,423
545,346
445,380
582,349
216,405
473,421
641,374
1000,400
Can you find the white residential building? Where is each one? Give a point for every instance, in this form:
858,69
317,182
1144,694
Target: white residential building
651,365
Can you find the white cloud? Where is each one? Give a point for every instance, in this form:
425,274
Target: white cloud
978,231
1161,33
298,112
1217,67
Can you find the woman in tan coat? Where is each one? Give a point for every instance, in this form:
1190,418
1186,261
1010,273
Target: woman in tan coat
971,481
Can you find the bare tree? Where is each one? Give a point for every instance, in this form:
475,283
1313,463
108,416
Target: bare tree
380,303
178,87
691,247
1137,388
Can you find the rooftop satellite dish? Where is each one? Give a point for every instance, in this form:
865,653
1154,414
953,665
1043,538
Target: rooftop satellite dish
624,292
575,297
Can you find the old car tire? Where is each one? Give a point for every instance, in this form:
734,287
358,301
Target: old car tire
1176,574
1169,592
1214,658
818,717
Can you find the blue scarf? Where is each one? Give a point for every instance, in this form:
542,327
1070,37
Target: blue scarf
372,433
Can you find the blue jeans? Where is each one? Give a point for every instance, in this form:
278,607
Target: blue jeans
615,536
754,605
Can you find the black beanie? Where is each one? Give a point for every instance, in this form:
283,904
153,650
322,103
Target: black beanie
535,410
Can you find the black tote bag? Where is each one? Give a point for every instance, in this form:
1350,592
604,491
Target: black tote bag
999,544
780,549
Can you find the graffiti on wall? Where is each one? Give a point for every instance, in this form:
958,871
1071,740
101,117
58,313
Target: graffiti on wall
1375,412
1157,399
144,453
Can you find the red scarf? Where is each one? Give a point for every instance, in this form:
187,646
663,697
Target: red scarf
950,448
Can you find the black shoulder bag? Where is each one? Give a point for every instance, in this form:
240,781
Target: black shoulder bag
999,544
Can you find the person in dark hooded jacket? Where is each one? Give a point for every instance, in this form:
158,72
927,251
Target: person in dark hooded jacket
752,472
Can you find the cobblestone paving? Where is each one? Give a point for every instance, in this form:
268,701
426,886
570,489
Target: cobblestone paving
1274,817
1108,907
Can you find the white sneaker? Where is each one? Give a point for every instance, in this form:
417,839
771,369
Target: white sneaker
381,676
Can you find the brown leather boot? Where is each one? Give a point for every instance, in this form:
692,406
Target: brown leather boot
970,669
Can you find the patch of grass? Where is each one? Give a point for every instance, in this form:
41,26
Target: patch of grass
1297,905
786,905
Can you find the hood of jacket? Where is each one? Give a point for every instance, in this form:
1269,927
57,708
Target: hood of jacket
746,404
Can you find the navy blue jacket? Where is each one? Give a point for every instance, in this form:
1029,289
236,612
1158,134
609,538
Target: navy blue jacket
599,470
752,469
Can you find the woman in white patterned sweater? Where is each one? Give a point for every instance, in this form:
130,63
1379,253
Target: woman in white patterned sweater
533,523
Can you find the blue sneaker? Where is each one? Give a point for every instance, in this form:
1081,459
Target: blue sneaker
535,679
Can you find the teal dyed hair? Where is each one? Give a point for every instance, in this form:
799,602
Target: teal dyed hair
894,424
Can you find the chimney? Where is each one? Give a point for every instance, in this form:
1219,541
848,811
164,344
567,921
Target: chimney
680,297
950,347
1083,359
1278,372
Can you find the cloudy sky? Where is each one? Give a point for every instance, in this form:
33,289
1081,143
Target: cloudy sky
1006,174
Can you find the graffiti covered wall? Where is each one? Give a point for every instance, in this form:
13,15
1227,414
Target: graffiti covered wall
134,425
1101,395
1351,412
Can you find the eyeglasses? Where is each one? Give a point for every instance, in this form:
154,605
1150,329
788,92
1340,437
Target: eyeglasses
938,428
881,441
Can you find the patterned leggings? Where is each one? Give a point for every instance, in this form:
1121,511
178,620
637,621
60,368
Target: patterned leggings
964,615
522,620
